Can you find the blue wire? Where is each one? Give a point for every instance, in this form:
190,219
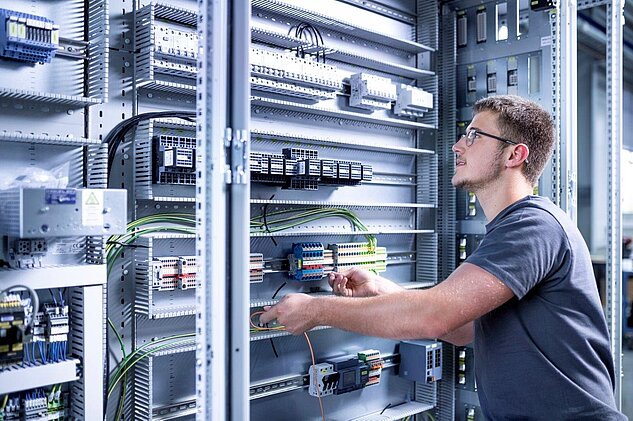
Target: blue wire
53,296
61,297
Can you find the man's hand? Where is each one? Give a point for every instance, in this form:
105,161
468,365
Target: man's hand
294,311
358,282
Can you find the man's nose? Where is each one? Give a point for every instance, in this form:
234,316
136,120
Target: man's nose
457,146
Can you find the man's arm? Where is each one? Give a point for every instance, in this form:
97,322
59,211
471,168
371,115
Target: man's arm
461,336
467,294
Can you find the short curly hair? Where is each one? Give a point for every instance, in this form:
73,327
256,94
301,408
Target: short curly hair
523,121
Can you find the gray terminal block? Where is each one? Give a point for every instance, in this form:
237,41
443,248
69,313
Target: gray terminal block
44,213
421,361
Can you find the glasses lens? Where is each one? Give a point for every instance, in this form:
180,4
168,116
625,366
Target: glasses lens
470,137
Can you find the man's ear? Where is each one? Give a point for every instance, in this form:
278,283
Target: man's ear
518,156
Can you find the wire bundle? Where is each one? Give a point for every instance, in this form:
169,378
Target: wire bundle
176,222
129,361
312,34
117,134
181,222
257,328
284,219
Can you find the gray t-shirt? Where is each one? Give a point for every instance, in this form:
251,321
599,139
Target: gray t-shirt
544,354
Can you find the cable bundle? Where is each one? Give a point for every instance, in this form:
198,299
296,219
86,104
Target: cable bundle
117,134
284,219
314,37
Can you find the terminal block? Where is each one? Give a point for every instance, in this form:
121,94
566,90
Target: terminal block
57,325
375,363
306,261
36,404
173,272
412,101
313,261
302,169
289,68
347,255
182,44
174,160
26,37
256,268
371,92
11,329
323,379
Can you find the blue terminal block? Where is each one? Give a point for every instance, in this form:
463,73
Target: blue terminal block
26,37
306,261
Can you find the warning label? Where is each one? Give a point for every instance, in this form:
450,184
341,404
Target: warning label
92,208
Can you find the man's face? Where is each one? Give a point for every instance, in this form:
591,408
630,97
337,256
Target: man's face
480,164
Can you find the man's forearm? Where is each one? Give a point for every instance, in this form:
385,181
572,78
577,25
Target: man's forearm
461,336
385,286
398,315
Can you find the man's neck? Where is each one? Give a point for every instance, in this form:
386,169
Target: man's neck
498,196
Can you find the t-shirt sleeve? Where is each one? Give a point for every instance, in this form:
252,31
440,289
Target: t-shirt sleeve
522,249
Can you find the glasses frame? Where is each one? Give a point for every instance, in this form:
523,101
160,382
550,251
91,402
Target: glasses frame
470,139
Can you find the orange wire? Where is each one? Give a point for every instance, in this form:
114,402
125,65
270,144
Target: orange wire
253,325
316,385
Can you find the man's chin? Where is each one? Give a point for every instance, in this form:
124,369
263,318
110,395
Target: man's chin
460,184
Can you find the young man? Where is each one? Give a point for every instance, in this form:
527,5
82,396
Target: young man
527,295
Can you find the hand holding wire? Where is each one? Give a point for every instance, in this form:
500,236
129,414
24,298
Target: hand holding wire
355,282
295,312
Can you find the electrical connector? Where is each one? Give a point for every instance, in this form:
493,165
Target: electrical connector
27,37
412,101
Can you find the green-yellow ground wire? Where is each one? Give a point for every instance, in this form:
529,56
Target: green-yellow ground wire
303,215
119,410
113,250
145,354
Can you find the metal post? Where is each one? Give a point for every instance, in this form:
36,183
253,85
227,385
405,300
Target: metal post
567,109
614,25
239,285
211,202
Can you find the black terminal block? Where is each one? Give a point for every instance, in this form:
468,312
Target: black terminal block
302,169
174,160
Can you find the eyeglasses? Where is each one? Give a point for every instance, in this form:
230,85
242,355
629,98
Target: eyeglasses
473,133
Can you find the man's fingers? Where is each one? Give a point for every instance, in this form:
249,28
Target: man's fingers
334,278
268,315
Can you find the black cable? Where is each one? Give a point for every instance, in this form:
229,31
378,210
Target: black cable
133,246
272,345
265,210
385,408
117,134
279,289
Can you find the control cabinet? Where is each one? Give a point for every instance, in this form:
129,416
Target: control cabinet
169,169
